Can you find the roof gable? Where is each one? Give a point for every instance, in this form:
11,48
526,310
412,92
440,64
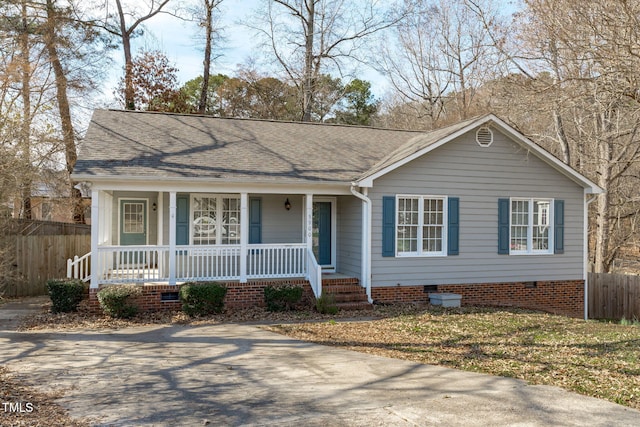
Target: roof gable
423,144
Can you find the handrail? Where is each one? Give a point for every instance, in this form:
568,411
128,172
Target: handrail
314,273
79,267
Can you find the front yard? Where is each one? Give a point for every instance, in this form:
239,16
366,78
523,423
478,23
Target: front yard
591,358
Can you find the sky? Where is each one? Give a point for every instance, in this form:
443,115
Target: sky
178,40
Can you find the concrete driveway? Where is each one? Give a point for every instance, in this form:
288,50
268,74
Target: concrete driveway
238,374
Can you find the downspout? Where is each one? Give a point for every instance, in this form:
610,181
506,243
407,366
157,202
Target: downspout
366,239
587,202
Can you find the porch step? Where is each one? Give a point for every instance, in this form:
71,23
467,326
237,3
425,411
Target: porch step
348,293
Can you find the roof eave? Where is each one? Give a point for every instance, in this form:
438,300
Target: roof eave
160,181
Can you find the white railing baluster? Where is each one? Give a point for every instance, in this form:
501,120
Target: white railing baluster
126,264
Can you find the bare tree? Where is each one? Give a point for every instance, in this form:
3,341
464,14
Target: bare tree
581,59
308,37
117,24
439,56
207,18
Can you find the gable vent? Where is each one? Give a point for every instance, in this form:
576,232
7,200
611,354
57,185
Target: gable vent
484,136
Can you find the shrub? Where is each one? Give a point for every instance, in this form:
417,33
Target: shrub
282,298
326,304
201,299
65,294
116,300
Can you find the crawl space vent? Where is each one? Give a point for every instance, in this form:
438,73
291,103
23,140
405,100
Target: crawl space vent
484,136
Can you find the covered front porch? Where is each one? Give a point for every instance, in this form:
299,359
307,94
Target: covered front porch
170,237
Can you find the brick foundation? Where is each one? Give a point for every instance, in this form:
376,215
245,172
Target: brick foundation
558,297
239,295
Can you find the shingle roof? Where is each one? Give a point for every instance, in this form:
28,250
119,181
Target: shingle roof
155,145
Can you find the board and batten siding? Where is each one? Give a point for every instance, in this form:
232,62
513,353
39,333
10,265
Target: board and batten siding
479,176
349,233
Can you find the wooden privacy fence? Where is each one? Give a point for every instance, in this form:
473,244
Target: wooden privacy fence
43,257
614,296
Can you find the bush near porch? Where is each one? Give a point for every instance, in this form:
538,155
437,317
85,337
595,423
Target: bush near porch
202,299
239,295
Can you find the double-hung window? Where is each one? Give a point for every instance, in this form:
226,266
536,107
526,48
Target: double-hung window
421,225
531,228
215,220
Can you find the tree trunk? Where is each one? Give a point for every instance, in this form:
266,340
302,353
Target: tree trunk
562,137
202,105
25,134
129,93
603,204
307,84
68,135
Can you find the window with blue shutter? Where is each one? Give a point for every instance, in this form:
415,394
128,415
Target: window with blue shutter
453,226
530,226
182,219
503,226
388,226
255,220
558,224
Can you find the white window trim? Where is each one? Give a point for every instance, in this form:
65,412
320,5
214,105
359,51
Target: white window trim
551,213
218,196
445,226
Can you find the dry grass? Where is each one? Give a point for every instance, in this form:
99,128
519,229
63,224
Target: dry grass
38,408
592,358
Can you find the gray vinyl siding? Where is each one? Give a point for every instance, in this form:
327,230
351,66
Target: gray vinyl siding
349,247
278,224
479,177
152,217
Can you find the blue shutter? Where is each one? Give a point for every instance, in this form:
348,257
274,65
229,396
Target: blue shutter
558,223
453,227
388,226
503,226
255,220
182,219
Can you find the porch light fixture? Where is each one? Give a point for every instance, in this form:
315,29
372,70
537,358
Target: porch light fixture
154,206
287,204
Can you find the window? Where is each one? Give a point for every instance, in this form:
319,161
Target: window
46,211
215,220
530,228
133,218
421,225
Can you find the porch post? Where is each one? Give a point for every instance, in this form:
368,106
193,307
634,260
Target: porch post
244,235
309,221
160,218
95,236
172,237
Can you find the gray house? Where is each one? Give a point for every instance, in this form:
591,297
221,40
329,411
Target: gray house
474,208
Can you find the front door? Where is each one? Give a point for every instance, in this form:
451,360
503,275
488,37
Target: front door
133,227
322,243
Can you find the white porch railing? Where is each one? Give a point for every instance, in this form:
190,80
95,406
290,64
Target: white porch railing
314,275
199,262
276,260
79,267
138,264
131,264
